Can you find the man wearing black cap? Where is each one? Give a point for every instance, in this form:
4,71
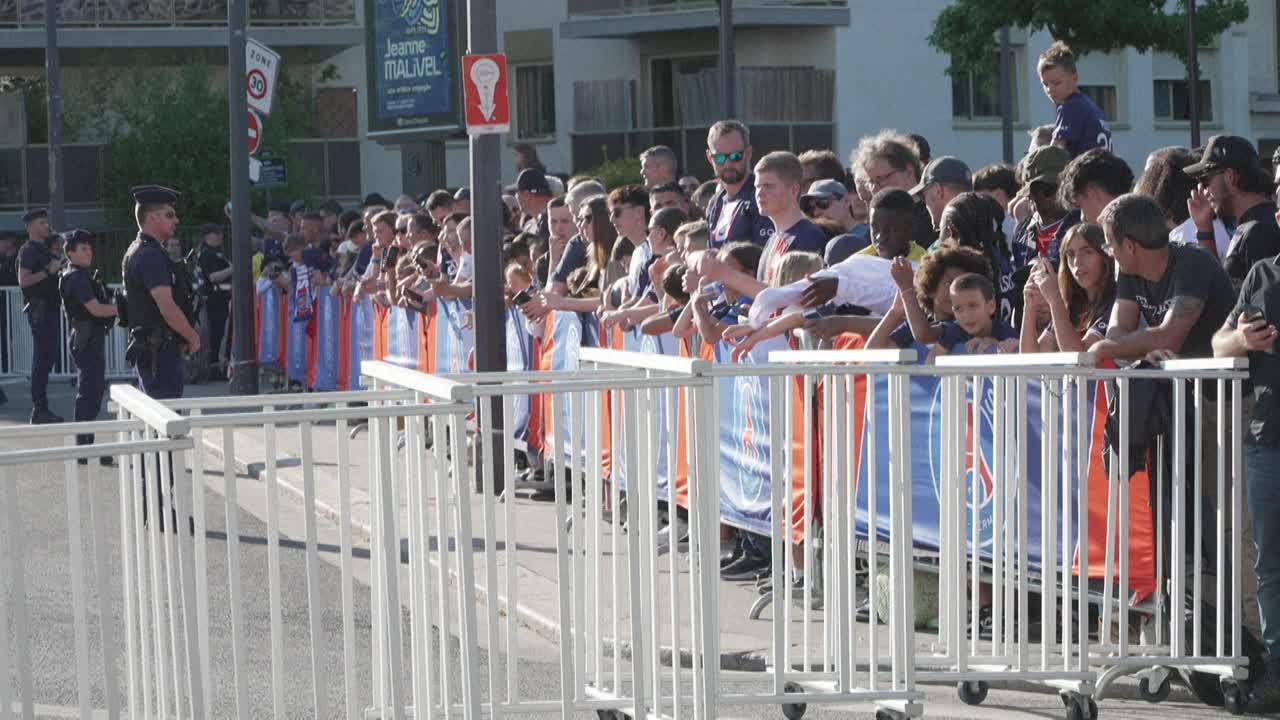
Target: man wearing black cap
38,277
160,326
1232,175
532,194
215,272
90,315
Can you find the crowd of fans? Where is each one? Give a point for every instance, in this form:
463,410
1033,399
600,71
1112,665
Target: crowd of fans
1064,251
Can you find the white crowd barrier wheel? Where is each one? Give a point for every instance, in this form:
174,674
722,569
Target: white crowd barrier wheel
972,693
794,711
1233,697
1159,694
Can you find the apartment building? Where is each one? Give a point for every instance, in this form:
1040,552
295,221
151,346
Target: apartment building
595,80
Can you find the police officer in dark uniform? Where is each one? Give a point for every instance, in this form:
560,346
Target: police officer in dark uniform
8,279
159,300
90,315
38,277
215,285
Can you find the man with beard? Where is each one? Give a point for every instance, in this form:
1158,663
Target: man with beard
732,215
1237,186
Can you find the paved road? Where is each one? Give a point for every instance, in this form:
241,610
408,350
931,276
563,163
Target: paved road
46,554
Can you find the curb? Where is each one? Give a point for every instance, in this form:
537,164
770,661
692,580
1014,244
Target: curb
545,627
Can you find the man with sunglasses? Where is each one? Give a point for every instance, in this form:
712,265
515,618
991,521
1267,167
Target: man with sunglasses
160,328
1237,186
830,199
732,214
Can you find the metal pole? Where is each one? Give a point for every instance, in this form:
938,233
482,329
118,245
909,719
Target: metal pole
1193,74
53,82
1006,95
727,86
486,235
244,370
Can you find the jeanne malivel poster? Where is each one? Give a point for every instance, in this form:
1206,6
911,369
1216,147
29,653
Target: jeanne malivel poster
412,66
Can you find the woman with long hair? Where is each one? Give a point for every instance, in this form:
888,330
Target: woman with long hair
584,283
976,221
1079,299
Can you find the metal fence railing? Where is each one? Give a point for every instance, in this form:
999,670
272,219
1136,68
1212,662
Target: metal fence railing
981,491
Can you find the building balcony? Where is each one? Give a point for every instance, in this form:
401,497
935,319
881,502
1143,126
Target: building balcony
75,14
600,18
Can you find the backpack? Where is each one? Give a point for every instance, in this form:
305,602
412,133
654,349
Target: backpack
1149,414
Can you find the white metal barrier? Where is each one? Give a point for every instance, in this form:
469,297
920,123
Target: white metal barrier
19,346
639,633
156,583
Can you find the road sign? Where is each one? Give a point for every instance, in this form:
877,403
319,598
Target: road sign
261,63
255,132
270,173
484,94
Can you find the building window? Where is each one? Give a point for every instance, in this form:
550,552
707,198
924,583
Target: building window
1104,96
1171,100
535,101
330,167
975,94
685,90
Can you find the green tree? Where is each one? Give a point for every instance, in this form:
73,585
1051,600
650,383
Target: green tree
966,30
167,127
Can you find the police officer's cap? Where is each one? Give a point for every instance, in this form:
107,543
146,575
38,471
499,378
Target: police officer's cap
155,195
75,238
281,206
210,228
34,214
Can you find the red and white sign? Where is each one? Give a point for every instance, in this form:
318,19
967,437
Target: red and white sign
484,94
261,63
255,132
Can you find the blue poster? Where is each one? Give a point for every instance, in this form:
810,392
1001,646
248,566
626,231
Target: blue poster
411,62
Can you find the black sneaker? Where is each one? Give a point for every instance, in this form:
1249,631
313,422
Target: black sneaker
42,415
748,567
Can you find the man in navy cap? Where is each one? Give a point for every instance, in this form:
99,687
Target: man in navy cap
159,302
532,194
90,315
38,277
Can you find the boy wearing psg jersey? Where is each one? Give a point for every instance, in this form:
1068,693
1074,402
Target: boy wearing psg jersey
1079,125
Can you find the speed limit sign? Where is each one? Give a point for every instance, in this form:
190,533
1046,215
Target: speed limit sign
261,63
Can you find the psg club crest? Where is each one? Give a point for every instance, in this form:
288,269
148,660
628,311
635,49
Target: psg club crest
978,494
751,438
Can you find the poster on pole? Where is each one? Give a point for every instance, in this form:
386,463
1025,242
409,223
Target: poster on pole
413,66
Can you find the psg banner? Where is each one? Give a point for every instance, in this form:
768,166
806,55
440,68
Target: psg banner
519,359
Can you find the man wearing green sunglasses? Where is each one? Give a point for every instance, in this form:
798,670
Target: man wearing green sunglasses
732,214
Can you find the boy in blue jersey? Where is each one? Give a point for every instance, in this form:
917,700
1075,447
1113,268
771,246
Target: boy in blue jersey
1079,125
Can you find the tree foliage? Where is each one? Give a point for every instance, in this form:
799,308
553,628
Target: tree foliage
966,30
171,128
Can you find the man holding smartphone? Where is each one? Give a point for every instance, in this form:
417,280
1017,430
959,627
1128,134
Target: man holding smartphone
1250,330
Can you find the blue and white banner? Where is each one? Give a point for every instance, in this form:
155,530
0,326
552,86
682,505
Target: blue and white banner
328,327
402,337
412,65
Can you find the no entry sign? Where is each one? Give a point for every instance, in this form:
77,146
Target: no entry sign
255,132
261,63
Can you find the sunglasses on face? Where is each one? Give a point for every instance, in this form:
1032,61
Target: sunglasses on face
720,158
820,203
